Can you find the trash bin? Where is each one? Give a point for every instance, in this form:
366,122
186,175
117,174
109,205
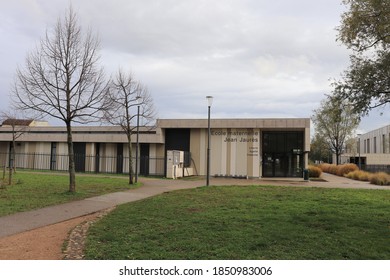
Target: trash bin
306,174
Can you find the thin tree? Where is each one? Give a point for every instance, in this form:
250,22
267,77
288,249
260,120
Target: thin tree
336,122
319,149
62,79
125,97
18,128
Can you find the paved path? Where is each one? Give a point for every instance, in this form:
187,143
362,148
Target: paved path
29,220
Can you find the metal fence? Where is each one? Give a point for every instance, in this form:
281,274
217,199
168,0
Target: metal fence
147,166
376,168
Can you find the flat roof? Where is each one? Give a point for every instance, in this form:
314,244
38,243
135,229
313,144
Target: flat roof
235,123
152,134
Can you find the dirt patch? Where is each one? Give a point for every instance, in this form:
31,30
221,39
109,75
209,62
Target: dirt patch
47,243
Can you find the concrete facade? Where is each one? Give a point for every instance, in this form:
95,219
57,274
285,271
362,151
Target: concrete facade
237,147
373,147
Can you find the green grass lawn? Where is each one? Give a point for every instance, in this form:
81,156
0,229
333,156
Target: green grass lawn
36,190
253,222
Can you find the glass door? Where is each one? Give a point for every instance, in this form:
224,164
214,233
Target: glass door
268,165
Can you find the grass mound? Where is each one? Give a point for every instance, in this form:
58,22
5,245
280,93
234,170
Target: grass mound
253,222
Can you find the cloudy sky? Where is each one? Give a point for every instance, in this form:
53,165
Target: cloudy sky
257,58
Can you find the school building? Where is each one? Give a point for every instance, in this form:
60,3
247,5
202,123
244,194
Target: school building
371,151
247,148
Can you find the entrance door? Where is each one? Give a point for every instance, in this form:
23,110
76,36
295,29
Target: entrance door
282,153
280,164
268,165
275,164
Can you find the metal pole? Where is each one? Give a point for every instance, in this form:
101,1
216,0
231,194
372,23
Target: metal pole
208,149
136,148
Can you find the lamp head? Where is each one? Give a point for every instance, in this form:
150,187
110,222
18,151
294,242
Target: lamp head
209,100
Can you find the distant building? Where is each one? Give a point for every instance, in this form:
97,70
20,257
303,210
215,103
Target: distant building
239,147
23,122
374,150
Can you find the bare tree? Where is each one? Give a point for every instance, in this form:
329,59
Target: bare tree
18,128
125,98
62,79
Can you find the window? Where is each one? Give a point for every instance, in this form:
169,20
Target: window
53,157
282,154
365,146
375,150
368,146
383,143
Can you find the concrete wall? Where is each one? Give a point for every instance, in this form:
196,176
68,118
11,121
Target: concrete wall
376,141
233,152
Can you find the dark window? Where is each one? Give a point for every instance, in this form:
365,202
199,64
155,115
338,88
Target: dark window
119,158
282,154
365,146
144,159
53,156
79,156
368,146
97,161
177,139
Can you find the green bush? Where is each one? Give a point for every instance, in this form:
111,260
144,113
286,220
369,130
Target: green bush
314,171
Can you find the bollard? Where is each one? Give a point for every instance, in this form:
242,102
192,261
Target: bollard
306,174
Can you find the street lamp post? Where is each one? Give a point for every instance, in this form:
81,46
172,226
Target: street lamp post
209,103
137,145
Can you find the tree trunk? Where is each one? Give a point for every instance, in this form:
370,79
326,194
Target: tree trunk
14,153
11,164
72,169
10,175
337,157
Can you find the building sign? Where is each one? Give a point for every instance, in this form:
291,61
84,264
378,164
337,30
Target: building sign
237,136
253,152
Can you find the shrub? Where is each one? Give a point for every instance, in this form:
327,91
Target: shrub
333,169
314,171
380,178
339,170
364,175
326,167
346,168
359,175
352,175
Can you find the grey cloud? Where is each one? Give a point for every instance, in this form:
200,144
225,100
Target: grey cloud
258,58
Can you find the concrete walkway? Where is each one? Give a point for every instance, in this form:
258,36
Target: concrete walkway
24,221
